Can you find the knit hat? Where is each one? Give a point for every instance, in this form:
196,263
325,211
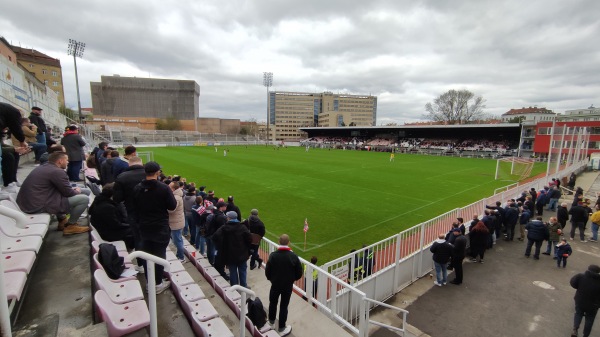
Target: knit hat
254,211
231,215
594,268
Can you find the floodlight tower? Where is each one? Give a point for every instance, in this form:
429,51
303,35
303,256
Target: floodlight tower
268,82
76,49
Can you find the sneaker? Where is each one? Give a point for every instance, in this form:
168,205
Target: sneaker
139,269
183,260
583,240
162,287
574,333
71,229
546,253
444,283
285,331
481,261
572,238
272,324
592,240
11,188
437,284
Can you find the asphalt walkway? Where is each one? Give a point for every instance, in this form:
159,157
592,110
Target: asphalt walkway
508,295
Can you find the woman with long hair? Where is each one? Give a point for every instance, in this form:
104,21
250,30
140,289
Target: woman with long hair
479,237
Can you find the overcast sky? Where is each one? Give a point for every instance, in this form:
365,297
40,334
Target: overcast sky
513,53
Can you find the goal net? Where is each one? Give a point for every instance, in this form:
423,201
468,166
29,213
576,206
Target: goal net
513,168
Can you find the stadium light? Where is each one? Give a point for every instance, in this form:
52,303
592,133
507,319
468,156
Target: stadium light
76,49
268,82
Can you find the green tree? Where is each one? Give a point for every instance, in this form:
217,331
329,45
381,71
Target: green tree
456,107
170,123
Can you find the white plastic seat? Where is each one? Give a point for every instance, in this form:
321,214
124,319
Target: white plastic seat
215,327
14,283
20,244
233,299
181,278
43,218
120,245
220,285
190,292
176,266
122,319
9,227
122,292
18,261
201,310
171,256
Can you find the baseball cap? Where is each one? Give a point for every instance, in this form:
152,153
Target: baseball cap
151,167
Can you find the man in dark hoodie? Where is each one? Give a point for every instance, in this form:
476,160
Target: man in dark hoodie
108,217
233,243
108,166
232,207
152,201
123,192
257,228
510,220
579,217
212,226
587,299
442,251
562,214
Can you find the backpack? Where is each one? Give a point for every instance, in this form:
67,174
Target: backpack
110,260
256,312
209,229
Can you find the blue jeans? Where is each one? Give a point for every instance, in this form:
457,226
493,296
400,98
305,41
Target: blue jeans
210,250
234,269
552,204
201,241
594,231
178,242
73,170
41,138
550,245
441,273
186,228
38,149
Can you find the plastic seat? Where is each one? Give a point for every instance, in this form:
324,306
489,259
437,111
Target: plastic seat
204,264
14,282
43,218
121,292
9,227
120,279
190,293
214,328
122,319
120,245
201,310
181,278
220,284
176,266
233,299
20,244
171,256
18,261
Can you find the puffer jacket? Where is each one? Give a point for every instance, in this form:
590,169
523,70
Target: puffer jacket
176,216
537,231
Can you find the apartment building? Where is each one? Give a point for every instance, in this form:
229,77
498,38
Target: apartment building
45,68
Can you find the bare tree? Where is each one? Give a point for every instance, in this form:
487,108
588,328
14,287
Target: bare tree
456,107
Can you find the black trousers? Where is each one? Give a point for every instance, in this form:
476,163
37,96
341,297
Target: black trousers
274,295
457,264
158,249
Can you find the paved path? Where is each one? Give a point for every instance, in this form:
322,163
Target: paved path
508,295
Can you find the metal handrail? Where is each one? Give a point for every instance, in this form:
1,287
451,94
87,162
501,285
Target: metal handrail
244,292
390,327
150,261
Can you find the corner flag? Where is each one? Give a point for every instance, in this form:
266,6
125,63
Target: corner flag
305,225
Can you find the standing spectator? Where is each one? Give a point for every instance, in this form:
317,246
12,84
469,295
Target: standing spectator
554,232
119,165
368,260
442,251
177,221
257,229
30,132
458,255
232,207
10,118
563,251
107,168
189,199
524,219
99,156
541,202
211,197
36,118
556,194
595,222
562,215
578,219
152,201
47,189
233,243
74,143
109,219
479,237
283,268
537,232
130,151
572,180
587,299
218,220
510,221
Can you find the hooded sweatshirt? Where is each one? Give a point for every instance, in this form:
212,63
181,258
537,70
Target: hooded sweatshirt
176,216
442,251
588,290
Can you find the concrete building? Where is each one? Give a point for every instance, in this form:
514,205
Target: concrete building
528,117
589,114
146,98
289,111
45,68
219,125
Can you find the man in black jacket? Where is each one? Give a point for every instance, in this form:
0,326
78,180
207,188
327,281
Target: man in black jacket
510,220
257,228
537,232
579,217
233,243
442,251
123,192
152,201
108,217
562,214
458,255
212,226
283,268
587,298
36,118
231,206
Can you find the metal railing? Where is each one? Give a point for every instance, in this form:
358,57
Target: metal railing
244,292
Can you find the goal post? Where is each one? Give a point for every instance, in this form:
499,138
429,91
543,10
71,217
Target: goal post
513,168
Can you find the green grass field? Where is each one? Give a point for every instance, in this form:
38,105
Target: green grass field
349,197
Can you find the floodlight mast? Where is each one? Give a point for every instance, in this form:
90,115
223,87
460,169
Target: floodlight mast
76,49
268,82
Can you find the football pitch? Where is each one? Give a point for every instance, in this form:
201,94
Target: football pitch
350,198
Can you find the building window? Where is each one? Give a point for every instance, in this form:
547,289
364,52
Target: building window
54,83
30,65
54,73
46,82
44,71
